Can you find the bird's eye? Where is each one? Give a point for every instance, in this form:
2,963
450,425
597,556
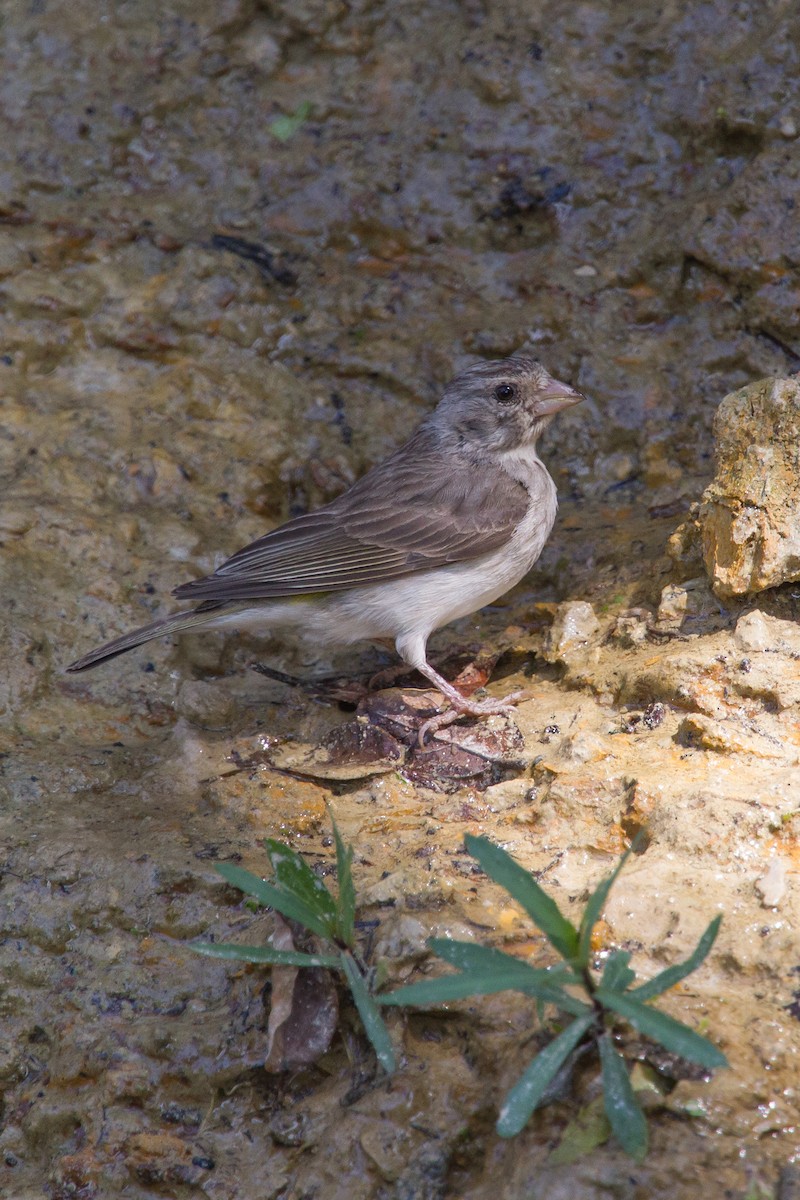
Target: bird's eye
505,393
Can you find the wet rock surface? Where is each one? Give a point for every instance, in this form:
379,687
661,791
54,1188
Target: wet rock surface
241,248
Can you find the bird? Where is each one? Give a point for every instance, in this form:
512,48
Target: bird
442,527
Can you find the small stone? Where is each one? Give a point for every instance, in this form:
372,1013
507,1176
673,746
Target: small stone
401,936
207,705
684,546
672,609
574,627
619,466
727,737
653,715
771,887
757,631
583,747
681,600
629,630
260,49
507,794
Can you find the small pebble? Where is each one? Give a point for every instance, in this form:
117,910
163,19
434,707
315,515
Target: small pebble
771,887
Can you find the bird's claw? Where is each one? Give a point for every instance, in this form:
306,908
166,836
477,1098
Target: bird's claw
467,708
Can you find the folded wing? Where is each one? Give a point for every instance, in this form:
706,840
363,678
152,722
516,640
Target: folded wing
415,511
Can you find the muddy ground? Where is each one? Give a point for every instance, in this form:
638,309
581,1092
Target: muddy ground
242,247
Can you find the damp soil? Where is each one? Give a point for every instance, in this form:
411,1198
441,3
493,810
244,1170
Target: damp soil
242,247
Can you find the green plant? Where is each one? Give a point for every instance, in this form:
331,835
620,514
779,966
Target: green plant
298,894
287,125
595,1005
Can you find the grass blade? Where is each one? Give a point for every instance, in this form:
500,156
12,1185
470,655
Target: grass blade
265,954
463,985
623,1110
673,1035
369,1012
520,884
672,975
293,874
527,1093
346,904
617,975
273,897
594,907
472,956
482,972
486,966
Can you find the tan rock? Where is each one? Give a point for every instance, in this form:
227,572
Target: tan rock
750,514
757,630
574,627
771,886
729,736
680,600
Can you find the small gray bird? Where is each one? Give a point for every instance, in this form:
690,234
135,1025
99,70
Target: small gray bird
445,525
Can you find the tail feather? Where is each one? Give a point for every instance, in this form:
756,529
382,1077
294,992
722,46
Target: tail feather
177,623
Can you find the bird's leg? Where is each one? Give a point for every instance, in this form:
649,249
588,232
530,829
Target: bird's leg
460,705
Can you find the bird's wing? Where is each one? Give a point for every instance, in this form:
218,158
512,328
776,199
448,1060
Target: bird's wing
414,512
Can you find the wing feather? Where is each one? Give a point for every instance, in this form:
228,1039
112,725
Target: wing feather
419,509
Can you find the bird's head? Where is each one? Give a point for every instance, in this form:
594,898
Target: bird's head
502,405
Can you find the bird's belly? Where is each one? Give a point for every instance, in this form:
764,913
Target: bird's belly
430,600
417,604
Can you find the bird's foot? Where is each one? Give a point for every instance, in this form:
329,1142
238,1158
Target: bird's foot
463,706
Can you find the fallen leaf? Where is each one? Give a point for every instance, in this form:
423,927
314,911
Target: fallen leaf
304,1011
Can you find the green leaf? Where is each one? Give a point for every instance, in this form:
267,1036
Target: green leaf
482,972
622,1108
346,904
540,907
369,1012
672,975
527,1093
293,874
265,954
617,975
495,971
472,956
673,1035
273,897
286,126
594,907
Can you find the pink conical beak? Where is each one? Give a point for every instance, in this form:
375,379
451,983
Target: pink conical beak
555,396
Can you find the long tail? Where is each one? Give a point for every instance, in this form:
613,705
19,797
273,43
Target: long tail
177,623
